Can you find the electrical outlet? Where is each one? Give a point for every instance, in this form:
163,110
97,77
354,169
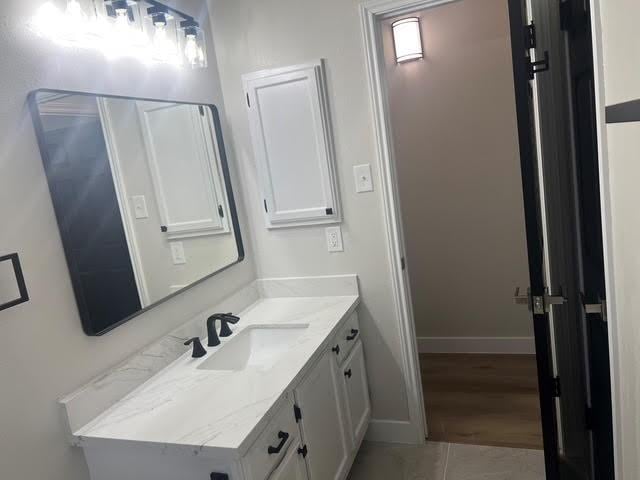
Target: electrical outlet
334,239
177,253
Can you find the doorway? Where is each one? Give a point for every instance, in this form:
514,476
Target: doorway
455,139
558,165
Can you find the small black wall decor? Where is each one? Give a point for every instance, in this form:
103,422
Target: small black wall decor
19,280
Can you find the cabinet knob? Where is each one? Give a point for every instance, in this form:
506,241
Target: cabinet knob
348,373
354,334
336,349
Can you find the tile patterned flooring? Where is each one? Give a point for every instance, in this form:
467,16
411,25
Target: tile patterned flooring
446,461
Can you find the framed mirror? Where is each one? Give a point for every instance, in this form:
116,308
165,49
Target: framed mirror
142,195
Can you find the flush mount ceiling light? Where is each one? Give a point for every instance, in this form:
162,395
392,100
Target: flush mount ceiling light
407,39
144,29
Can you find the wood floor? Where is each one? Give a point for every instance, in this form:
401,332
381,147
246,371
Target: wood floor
482,399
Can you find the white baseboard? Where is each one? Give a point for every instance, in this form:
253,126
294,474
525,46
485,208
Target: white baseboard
513,345
392,431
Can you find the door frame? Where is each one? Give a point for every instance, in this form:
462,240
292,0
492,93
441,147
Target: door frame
371,13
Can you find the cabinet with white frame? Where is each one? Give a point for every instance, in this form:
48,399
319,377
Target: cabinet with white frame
293,144
314,434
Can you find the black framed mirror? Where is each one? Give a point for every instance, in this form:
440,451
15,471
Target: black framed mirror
142,196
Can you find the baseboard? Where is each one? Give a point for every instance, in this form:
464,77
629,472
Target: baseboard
513,345
392,431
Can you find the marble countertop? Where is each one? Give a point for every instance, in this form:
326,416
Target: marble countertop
183,409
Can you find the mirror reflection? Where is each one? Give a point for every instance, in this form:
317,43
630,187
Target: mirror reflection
142,197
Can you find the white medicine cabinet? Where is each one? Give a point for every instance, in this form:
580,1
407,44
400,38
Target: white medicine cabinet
293,144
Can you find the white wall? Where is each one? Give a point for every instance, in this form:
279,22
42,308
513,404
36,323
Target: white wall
621,75
43,352
251,35
458,163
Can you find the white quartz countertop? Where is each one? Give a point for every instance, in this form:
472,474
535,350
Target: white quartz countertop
184,409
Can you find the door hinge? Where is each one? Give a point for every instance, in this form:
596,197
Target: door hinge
248,101
530,39
538,66
328,211
588,417
219,476
297,413
303,451
265,206
555,387
220,211
201,110
403,264
164,229
566,15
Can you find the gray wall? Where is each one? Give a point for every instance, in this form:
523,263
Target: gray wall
43,352
252,35
455,139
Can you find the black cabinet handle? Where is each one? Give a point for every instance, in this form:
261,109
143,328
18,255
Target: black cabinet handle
348,373
354,334
219,476
283,436
336,349
303,451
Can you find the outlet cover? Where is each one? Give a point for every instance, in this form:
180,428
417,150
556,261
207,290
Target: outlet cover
177,253
334,239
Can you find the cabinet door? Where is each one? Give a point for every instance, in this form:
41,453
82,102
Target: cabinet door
291,136
323,422
292,467
356,386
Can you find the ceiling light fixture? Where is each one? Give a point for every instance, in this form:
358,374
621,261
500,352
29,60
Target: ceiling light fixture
407,39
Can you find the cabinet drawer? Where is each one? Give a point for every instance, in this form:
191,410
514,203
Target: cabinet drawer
273,443
346,338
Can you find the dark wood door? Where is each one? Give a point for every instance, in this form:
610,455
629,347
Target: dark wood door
576,22
91,227
534,233
558,143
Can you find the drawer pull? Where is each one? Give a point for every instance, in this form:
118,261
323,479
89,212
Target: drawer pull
283,436
336,349
354,334
348,373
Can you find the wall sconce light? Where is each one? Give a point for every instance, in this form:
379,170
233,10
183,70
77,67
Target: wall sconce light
407,39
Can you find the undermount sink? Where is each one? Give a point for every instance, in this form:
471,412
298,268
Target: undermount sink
258,346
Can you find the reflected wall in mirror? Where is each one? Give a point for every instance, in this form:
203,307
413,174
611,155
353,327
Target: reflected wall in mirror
142,195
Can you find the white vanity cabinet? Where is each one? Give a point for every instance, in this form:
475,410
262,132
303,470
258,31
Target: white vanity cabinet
324,423
313,433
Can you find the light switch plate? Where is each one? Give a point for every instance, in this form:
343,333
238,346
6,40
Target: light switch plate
334,239
177,253
362,174
140,206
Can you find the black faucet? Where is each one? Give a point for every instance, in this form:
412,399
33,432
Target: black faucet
198,349
225,331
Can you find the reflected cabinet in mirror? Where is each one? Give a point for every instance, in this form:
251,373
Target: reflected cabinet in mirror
142,195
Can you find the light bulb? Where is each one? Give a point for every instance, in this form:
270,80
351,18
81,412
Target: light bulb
122,18
74,10
191,50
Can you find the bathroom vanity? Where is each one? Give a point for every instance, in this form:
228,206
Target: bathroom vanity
284,398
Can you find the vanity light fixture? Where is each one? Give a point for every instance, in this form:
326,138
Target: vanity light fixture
120,28
407,39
